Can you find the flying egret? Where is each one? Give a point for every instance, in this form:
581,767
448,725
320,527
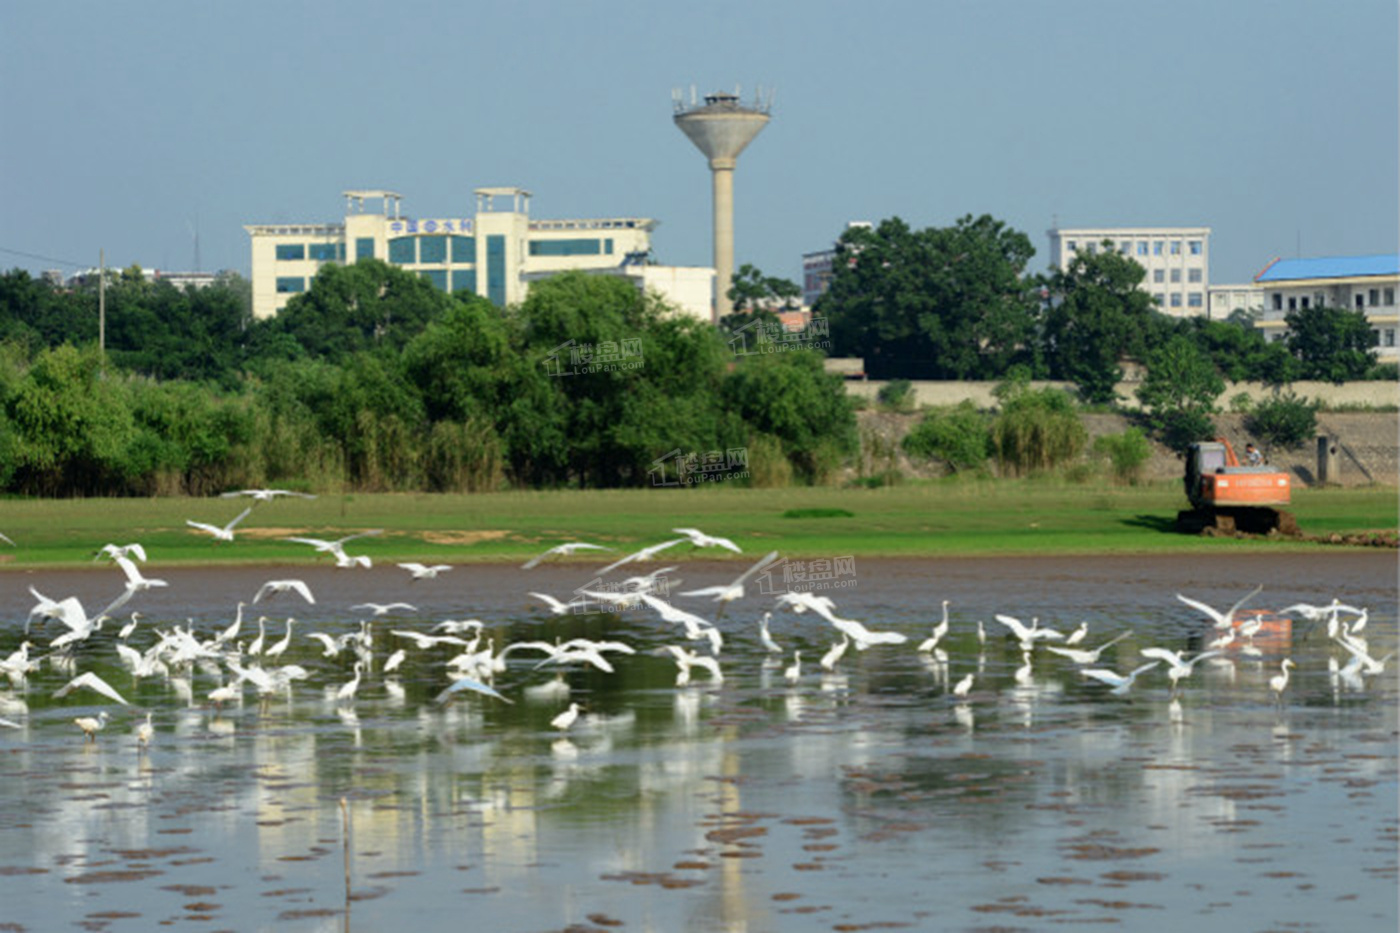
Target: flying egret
563,549
863,637
646,553
265,495
1121,683
336,548
1360,657
1224,619
467,683
380,609
91,726
424,571
277,587
1028,636
122,550
1086,655
700,539
1179,667
555,606
566,719
1279,682
726,593
134,580
224,533
7,540
424,642
695,627
90,681
687,659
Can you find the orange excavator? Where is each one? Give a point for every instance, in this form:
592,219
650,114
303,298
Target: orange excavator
1228,496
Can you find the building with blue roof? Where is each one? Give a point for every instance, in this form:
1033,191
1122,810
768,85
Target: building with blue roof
1363,283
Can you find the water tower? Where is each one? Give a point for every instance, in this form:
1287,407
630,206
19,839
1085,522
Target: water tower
721,128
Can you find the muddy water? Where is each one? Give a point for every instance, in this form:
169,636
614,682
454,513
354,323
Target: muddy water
865,798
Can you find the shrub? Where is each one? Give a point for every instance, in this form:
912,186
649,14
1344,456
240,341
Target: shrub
1127,454
1037,430
1285,421
896,395
1241,402
955,436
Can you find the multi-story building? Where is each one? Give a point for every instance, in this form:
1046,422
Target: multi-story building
1224,300
816,268
494,252
1363,283
1177,260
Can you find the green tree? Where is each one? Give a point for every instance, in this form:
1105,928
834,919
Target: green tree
1284,420
751,290
956,436
1179,391
1331,344
941,303
1097,317
1240,352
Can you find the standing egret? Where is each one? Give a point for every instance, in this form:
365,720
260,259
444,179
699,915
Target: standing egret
793,672
347,691
765,636
1078,635
835,653
91,726
962,687
394,660
566,719
256,647
1279,682
145,732
281,645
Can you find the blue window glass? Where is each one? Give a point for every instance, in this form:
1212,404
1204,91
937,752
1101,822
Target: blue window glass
403,250
437,276
323,252
496,270
432,249
290,283
290,251
464,280
566,247
1196,247
607,247
463,249
364,248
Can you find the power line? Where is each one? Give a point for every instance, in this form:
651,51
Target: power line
62,262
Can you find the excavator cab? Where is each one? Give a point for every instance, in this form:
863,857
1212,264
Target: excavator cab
1227,496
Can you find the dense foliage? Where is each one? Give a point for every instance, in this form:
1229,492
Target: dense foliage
374,380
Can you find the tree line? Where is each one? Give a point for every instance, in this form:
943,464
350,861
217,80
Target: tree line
375,380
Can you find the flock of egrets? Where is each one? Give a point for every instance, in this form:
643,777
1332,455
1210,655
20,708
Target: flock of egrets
471,660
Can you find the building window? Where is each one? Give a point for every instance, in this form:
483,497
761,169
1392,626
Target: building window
1071,245
1319,299
437,276
464,280
364,248
1292,303
1159,276
1176,276
1305,302
323,252
565,247
1125,247
288,252
1375,297
1195,246
290,283
1176,299
1157,248
1390,297
1193,300
1360,301
1142,247
1389,337
464,250
1176,247
1278,301
403,250
433,249
1193,275
1160,298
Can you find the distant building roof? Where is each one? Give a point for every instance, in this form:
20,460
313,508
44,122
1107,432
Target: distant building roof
1330,267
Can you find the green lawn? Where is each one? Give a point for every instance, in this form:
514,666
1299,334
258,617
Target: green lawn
1000,517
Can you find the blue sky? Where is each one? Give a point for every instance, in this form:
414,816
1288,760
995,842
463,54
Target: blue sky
129,126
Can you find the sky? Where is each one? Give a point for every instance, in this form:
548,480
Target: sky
145,129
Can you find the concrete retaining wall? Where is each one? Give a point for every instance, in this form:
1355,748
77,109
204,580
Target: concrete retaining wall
1352,394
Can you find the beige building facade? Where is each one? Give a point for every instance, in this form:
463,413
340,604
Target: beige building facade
1177,260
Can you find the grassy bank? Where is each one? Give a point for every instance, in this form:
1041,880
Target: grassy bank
936,519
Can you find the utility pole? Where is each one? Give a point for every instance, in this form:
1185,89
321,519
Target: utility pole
102,303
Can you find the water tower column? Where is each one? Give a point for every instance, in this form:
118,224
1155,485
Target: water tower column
722,173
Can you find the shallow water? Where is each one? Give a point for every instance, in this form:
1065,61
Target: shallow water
866,799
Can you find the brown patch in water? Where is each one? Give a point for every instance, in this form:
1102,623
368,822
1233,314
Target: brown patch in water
308,914
189,890
108,877
698,866
786,896
734,834
1133,876
603,920
6,870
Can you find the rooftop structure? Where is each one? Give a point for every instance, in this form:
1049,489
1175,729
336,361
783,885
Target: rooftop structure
720,128
1362,283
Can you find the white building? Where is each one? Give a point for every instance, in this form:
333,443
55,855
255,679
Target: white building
1177,260
1224,300
1362,283
495,252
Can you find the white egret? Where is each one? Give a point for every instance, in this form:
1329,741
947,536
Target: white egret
835,653
265,495
793,672
941,629
963,686
256,647
145,732
330,644
1023,674
225,693
91,726
799,601
1360,657
555,606
90,681
122,550
1121,683
646,553
280,646
1028,636
1279,682
563,549
336,548
1179,666
224,533
1078,635
347,691
1224,619
278,587
467,683
135,582
695,627
380,609
566,719
700,539
863,637
765,636
424,571
425,642
726,593
687,659
394,660
1086,655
